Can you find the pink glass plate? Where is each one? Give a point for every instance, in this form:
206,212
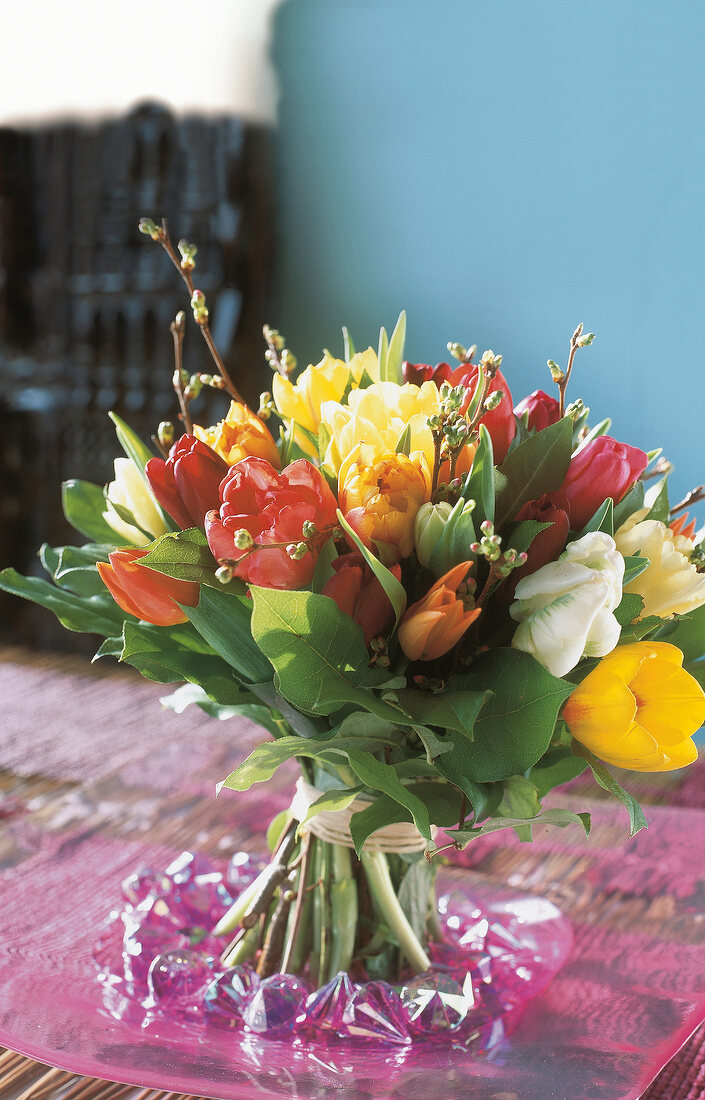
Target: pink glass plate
627,998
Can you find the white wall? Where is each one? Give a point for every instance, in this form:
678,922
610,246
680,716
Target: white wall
89,58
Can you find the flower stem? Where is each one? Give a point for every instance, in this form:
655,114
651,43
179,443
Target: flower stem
377,871
343,904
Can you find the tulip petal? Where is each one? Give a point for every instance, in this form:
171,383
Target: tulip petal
671,702
599,709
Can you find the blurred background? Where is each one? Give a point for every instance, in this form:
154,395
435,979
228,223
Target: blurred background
501,171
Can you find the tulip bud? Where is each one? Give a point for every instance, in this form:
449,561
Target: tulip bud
428,528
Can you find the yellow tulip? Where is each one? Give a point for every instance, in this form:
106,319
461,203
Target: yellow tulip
638,709
380,496
240,435
670,585
324,381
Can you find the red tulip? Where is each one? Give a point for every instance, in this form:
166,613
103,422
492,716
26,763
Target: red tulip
542,409
187,483
143,592
604,468
548,544
271,525
359,594
500,422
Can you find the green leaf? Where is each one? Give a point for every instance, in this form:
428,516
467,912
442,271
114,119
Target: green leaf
300,723
315,649
393,589
634,566
555,769
413,894
559,817
331,801
479,484
194,695
379,814
382,777
537,466
631,503
323,570
395,352
689,634
125,515
453,710
520,798
403,446
523,534
629,607
433,744
276,827
516,724
348,345
603,520
657,500
83,504
168,654
604,779
382,353
266,757
73,567
89,615
184,555
132,445
223,621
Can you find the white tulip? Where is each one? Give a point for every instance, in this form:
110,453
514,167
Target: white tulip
565,609
129,490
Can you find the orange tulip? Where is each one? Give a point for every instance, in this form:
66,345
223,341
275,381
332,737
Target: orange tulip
240,435
145,593
380,496
433,625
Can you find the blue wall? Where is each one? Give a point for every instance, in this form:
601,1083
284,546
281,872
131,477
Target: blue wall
504,169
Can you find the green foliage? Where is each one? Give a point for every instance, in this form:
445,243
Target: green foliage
603,520
523,534
391,372
555,768
630,605
452,710
520,798
185,555
382,777
83,504
479,484
316,651
323,570
393,589
634,566
516,723
604,779
631,503
264,760
559,817
193,694
657,498
538,465
223,621
413,894
73,567
348,345
87,614
337,798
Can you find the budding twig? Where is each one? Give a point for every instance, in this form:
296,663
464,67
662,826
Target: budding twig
562,378
693,497
185,267
178,329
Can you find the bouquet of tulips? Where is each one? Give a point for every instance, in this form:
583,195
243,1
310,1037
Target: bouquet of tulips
440,603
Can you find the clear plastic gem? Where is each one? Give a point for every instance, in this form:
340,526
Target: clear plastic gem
177,979
375,1011
275,1005
145,883
435,1002
226,996
325,1009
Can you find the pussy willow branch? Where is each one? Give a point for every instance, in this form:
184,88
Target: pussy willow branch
177,331
168,247
693,497
563,386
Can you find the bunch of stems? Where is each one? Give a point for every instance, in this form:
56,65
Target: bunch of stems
316,909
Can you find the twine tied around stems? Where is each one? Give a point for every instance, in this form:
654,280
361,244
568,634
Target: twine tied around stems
333,826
